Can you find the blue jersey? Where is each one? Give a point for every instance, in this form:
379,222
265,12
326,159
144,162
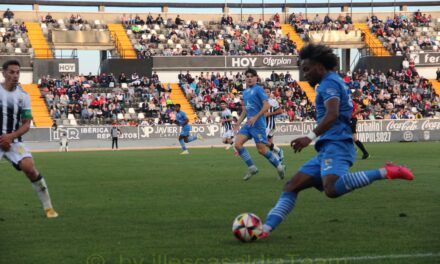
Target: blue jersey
181,118
332,86
254,98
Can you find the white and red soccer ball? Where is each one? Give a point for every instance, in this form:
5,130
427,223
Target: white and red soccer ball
247,227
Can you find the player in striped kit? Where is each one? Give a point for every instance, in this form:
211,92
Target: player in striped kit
15,121
273,111
226,120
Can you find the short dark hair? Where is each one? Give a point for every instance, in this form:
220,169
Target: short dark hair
10,62
177,105
320,54
251,71
223,102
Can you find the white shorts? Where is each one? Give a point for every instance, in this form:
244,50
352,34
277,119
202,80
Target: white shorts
228,134
270,132
17,152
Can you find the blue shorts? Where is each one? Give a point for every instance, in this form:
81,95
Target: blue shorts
257,133
334,157
185,131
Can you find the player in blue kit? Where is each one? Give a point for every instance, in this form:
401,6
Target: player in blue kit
328,171
255,106
184,137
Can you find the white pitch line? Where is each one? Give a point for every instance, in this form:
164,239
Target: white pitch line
293,259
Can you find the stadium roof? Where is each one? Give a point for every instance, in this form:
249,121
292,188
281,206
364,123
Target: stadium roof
219,5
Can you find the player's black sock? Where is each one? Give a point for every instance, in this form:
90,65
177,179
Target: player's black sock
361,146
39,177
271,147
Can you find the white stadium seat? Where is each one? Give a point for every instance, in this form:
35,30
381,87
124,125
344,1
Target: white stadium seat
73,122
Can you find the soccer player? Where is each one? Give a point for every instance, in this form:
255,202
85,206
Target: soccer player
15,121
115,132
64,143
226,120
184,137
328,170
270,115
353,124
255,106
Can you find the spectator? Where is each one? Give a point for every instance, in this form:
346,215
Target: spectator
405,63
178,21
8,14
48,19
159,20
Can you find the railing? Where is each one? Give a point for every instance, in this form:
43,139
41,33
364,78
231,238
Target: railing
43,52
122,49
55,53
373,48
117,44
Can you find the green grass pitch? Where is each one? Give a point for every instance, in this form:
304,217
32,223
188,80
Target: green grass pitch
159,207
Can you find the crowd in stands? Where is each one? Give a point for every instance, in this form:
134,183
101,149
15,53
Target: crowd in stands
13,35
303,25
74,22
142,100
393,94
207,90
105,99
155,36
402,35
134,100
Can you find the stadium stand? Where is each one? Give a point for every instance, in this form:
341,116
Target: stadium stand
13,37
207,90
402,35
90,99
394,94
304,25
103,99
207,38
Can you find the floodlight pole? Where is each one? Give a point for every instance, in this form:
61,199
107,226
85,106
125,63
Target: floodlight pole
328,8
241,10
306,9
351,10
262,6
394,9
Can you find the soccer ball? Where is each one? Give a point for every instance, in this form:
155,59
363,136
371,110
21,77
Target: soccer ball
247,227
